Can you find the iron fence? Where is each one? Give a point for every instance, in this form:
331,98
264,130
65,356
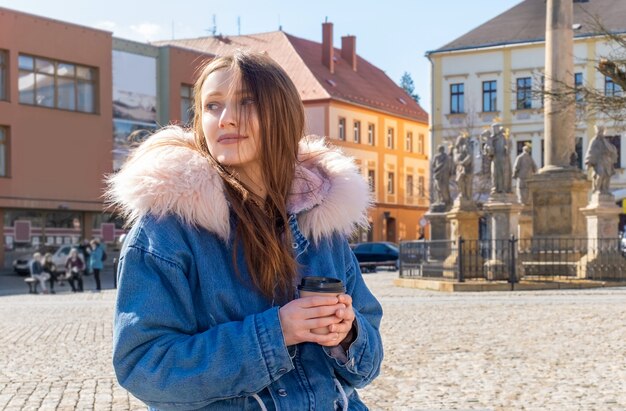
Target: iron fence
512,259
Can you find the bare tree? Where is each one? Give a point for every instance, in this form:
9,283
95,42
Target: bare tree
608,102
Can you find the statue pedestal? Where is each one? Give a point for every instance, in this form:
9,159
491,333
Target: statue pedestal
602,247
504,211
525,225
439,231
462,204
462,224
558,194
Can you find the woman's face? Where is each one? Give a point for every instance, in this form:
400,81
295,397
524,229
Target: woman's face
235,146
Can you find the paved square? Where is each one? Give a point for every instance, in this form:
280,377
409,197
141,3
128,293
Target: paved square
540,350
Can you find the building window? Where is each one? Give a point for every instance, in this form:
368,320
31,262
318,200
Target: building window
617,142
420,144
578,84
524,93
4,70
4,152
390,182
357,131
521,144
371,134
579,152
490,92
55,84
421,192
390,142
610,88
186,104
543,90
409,142
409,186
371,180
457,98
342,129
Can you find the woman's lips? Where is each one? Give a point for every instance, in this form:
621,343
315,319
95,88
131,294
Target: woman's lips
230,138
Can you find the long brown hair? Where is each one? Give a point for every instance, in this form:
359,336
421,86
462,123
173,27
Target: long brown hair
262,224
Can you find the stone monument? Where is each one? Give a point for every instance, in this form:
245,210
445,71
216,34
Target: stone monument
558,191
524,168
441,171
463,160
502,205
601,212
463,217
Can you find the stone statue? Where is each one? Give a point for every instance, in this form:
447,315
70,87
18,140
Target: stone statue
441,177
464,167
523,168
497,150
601,156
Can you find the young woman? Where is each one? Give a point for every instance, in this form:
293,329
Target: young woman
227,219
95,260
74,268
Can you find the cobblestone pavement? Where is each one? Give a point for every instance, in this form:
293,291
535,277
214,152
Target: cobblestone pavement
539,350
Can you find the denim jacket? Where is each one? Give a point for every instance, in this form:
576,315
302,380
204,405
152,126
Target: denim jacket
190,333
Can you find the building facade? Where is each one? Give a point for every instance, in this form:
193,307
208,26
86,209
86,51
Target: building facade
357,107
67,107
495,73
55,128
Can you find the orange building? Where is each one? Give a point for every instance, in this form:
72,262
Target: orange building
57,124
359,108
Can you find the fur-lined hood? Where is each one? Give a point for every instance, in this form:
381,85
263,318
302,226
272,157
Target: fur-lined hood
328,194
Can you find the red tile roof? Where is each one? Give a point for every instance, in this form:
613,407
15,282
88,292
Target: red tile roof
302,60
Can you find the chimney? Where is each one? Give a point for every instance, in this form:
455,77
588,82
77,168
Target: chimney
348,50
327,46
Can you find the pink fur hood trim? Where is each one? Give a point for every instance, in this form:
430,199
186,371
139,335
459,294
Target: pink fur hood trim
328,194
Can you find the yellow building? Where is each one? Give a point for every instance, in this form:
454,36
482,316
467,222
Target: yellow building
359,108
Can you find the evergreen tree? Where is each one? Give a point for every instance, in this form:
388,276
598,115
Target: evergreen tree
406,82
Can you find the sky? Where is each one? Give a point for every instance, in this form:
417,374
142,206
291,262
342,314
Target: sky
394,35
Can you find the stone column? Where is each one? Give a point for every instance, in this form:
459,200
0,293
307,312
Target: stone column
463,223
602,250
558,191
559,119
504,211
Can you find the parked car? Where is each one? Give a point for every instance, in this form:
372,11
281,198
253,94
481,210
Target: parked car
378,254
59,256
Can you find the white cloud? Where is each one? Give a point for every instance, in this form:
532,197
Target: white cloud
147,31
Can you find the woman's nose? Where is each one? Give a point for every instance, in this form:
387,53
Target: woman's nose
228,117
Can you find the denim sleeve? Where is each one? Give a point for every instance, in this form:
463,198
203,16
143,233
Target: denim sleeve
361,364
162,358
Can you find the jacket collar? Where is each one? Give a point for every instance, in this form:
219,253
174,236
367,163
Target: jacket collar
328,194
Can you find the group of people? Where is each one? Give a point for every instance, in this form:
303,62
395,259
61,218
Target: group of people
43,268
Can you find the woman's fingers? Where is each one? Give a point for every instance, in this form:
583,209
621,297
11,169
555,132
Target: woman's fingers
329,339
340,327
308,302
321,322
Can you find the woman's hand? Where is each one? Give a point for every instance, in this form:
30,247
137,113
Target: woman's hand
344,327
300,316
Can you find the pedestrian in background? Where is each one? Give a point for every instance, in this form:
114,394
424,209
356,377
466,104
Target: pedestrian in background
51,269
74,268
96,260
228,217
84,250
36,271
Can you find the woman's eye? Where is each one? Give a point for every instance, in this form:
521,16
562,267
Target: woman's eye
212,106
247,101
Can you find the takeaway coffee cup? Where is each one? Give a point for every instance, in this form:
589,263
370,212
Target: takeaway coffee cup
324,286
